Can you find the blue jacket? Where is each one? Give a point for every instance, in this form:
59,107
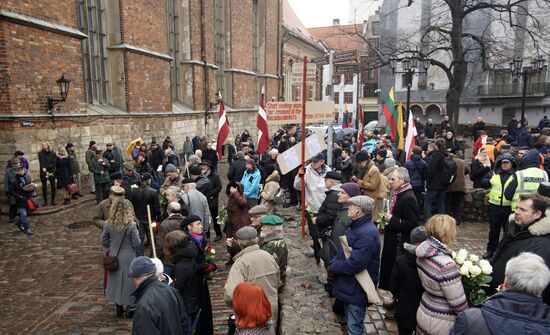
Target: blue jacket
364,240
251,183
505,313
418,169
525,139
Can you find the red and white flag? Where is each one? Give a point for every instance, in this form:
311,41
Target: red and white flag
223,128
261,123
411,135
361,130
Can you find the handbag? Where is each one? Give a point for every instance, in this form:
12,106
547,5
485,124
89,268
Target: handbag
32,204
110,263
73,188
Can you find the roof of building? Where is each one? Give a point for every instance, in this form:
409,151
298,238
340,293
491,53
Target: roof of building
339,37
294,26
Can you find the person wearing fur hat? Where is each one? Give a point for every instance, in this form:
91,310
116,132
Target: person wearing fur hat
529,232
251,183
271,188
364,240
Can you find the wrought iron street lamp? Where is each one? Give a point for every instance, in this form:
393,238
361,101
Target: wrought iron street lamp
410,65
517,70
63,84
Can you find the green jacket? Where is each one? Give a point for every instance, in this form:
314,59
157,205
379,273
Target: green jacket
274,244
75,167
97,168
90,156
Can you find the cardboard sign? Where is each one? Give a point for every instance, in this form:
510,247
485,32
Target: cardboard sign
291,112
291,158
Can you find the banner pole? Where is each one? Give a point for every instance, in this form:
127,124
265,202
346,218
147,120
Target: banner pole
303,194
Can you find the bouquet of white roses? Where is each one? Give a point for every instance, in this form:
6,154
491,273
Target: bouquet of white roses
475,274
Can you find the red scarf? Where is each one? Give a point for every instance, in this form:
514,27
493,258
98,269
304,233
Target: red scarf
405,187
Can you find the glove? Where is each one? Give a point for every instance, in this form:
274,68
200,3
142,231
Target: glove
210,267
301,171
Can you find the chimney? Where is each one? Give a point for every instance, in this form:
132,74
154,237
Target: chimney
336,22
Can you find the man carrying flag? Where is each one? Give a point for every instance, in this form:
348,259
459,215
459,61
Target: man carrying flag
389,112
223,128
261,123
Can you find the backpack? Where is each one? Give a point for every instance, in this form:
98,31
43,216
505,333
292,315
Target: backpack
449,170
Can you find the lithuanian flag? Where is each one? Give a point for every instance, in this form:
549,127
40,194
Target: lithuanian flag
399,138
389,112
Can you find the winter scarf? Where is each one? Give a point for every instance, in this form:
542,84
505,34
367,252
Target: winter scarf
403,188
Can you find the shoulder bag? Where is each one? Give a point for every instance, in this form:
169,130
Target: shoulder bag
110,263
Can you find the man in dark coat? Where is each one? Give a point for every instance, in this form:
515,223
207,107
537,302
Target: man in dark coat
129,177
364,240
237,168
435,186
109,155
530,232
446,125
525,139
519,309
142,197
213,196
202,183
512,127
405,284
210,155
429,131
418,169
478,127
330,206
400,221
156,157
159,308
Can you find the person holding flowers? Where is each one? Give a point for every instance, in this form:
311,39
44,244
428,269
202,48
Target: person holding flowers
444,294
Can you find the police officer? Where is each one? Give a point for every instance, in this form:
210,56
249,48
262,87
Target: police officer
527,180
499,208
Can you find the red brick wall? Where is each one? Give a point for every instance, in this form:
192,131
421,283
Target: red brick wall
148,84
242,21
145,24
35,59
57,11
271,44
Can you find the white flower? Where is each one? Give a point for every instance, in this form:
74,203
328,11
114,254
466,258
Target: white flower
212,251
134,186
474,258
475,271
462,253
464,271
453,254
460,260
486,267
468,264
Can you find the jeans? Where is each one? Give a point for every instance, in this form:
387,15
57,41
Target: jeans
498,219
432,195
23,219
355,317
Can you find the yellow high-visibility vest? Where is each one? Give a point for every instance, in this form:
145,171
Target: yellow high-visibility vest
528,182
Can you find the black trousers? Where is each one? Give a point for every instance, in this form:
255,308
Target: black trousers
498,219
44,181
214,216
455,205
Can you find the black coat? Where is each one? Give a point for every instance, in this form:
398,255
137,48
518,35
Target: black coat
210,155
346,169
157,157
140,198
478,126
215,189
63,172
328,210
429,131
204,186
397,231
159,309
47,160
535,239
186,274
406,287
206,323
236,170
477,172
435,166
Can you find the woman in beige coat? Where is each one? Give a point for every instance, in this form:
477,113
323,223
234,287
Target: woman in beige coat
271,188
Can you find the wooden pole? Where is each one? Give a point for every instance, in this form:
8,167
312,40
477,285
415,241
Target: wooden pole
151,232
303,194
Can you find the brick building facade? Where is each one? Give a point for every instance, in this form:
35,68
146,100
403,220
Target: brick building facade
137,68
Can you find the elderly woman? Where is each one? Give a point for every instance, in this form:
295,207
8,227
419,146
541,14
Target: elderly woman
444,297
237,212
120,238
401,218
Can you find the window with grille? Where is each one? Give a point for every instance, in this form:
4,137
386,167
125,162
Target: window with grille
91,21
337,97
348,78
348,97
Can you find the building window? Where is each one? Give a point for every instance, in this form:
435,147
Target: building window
337,98
181,72
336,79
91,21
174,47
348,97
348,78
376,28
370,74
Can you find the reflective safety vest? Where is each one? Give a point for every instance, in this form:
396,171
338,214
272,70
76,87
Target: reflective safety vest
496,194
528,182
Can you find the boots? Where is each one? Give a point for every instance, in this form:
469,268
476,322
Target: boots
66,201
53,201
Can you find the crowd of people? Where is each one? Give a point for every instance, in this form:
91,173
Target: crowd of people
416,203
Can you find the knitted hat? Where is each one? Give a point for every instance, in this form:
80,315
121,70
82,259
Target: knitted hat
115,175
382,153
246,233
129,166
195,170
352,189
170,168
389,162
195,159
272,220
361,156
140,266
117,190
363,202
251,162
418,235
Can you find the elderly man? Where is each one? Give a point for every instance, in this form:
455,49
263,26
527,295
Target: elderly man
172,222
237,168
254,265
159,308
370,181
213,196
173,178
142,197
314,176
519,309
256,213
272,241
196,202
251,182
129,178
103,210
531,232
364,240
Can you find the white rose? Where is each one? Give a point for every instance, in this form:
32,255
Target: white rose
474,258
464,271
486,267
462,253
453,254
468,264
212,251
475,271
459,260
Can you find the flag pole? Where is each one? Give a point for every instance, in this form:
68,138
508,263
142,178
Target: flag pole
230,130
303,193
258,143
